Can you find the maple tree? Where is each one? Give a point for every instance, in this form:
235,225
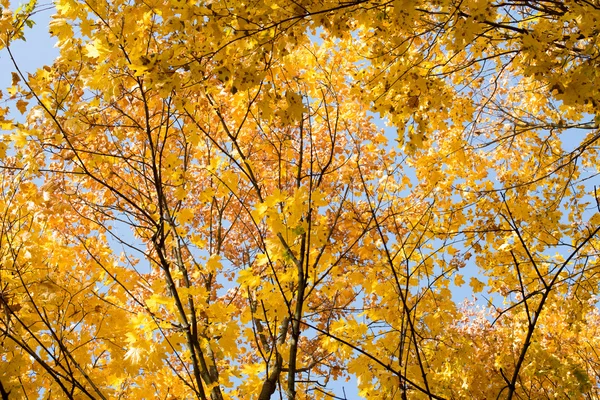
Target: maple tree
198,201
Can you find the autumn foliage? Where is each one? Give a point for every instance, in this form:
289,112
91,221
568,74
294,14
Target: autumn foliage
201,200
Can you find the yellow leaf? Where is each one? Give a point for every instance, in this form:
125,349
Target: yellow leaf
180,193
19,138
185,215
15,78
259,211
319,199
295,107
230,180
247,278
92,50
22,106
12,91
459,280
476,284
214,263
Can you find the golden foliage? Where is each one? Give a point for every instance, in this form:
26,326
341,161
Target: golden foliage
200,202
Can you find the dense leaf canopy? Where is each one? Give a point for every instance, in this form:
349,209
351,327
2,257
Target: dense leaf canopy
199,200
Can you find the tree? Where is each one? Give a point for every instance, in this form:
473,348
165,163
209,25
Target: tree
199,203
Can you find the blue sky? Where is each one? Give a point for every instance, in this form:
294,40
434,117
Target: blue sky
32,54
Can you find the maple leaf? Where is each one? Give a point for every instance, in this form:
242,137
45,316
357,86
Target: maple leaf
22,106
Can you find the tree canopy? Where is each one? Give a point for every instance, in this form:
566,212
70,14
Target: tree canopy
199,200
